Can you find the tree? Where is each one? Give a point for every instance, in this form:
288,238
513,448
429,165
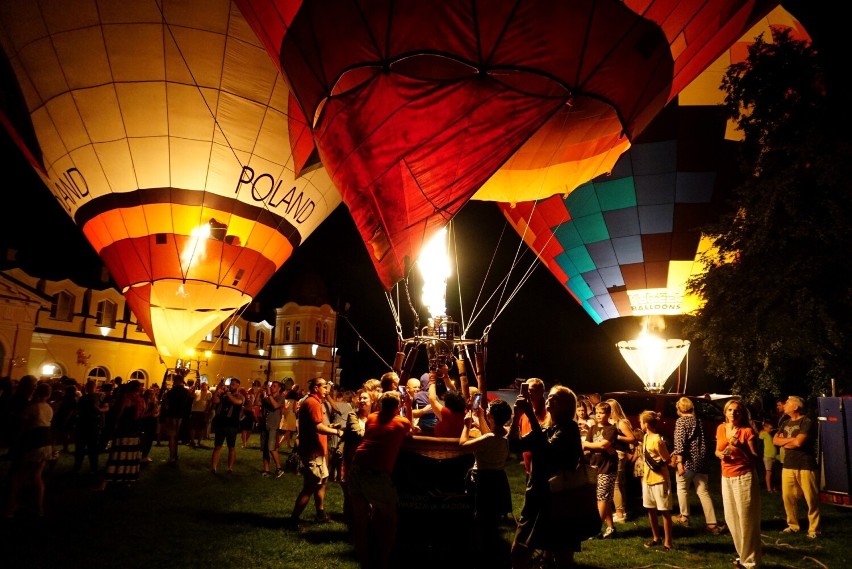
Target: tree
777,316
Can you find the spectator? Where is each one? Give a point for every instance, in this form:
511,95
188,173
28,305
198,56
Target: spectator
536,399
422,410
201,400
770,451
796,436
31,446
313,450
553,448
735,447
125,452
601,443
492,497
90,411
623,445
149,423
271,404
373,495
176,404
450,412
690,457
656,485
230,399
352,436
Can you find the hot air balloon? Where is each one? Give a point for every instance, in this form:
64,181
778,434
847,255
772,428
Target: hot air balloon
626,243
415,105
162,128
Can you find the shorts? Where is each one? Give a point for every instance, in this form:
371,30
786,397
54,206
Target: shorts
269,439
657,496
171,426
227,435
315,468
606,486
768,463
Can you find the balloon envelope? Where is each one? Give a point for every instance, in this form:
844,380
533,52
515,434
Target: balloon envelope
162,130
415,105
626,243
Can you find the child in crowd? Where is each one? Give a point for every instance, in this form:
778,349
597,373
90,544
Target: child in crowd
600,442
769,453
656,484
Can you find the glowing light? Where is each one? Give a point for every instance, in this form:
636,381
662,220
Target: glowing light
653,359
314,348
104,330
48,369
434,264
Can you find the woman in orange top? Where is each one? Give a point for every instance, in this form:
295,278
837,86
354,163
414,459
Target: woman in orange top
735,447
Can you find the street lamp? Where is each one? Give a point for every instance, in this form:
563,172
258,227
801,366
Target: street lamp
185,365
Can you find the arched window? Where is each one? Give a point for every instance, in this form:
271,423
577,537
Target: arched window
234,335
260,340
62,307
140,376
297,334
287,333
325,333
99,375
318,333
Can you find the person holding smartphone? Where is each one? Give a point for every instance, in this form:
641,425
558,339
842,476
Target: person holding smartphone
532,390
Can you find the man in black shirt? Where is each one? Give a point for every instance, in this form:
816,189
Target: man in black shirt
796,436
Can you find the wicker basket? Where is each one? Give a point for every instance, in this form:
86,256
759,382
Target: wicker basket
439,448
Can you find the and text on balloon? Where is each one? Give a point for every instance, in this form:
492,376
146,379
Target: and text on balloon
265,189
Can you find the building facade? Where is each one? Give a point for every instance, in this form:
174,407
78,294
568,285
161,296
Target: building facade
51,329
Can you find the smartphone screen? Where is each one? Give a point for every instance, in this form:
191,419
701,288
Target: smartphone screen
228,381
525,390
477,399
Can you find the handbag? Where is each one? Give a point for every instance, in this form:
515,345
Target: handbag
654,464
573,500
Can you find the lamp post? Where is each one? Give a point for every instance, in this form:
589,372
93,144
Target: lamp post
184,366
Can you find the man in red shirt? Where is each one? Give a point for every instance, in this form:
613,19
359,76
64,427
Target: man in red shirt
313,450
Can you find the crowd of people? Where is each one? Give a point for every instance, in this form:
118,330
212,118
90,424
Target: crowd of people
355,439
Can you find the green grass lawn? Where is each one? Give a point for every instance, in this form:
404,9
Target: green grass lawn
184,517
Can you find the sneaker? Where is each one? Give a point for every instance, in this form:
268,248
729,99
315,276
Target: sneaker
789,530
619,519
279,473
608,533
266,474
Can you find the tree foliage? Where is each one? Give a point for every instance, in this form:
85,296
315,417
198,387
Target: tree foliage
777,317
